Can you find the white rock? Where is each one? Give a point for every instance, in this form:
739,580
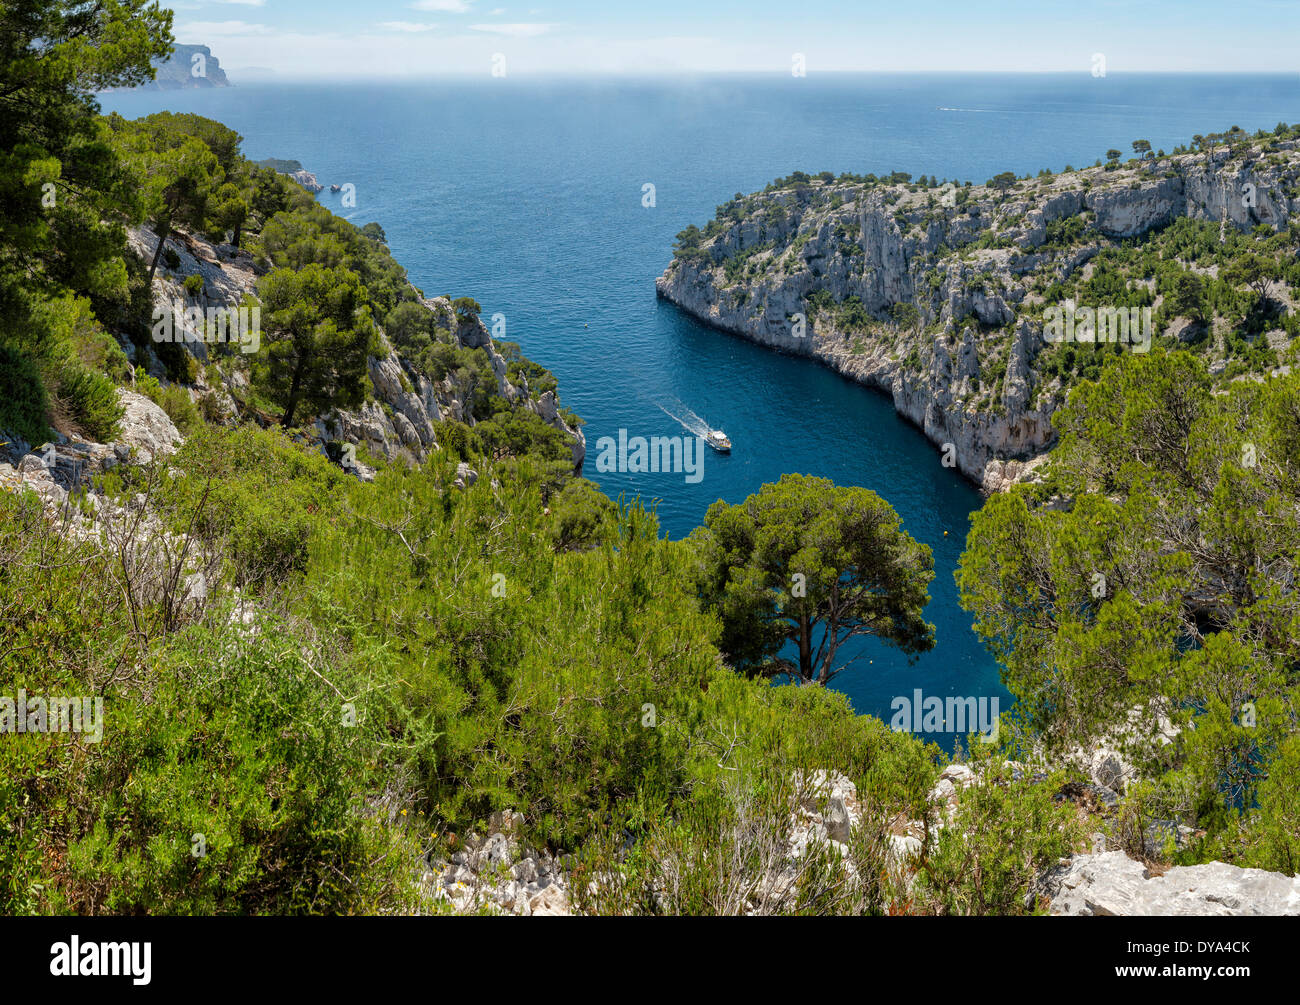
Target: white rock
1111,883
146,427
903,847
958,774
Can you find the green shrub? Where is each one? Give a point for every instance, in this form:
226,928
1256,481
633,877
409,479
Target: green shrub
1003,835
78,362
265,498
227,745
172,399
23,402
91,400
179,364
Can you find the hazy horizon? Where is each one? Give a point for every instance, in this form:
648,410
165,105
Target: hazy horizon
419,38
270,73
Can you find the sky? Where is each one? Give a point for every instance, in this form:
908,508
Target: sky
297,39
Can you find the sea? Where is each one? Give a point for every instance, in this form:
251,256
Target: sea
554,203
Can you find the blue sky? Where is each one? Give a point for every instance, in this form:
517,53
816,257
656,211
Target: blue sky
411,38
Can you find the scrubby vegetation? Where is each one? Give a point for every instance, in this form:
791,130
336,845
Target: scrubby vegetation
313,684
1161,579
369,668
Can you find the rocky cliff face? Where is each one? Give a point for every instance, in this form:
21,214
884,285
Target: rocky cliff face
398,417
931,294
189,66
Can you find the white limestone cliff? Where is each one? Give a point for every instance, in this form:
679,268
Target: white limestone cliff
962,258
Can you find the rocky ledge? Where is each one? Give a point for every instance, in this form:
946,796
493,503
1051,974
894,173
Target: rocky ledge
1111,883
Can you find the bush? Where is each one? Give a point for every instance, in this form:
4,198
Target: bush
90,399
1003,835
23,402
579,512
77,361
409,327
267,496
230,745
172,399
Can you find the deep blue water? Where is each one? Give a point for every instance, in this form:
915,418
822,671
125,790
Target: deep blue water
527,195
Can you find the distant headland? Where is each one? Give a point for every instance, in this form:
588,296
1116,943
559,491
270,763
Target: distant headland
188,66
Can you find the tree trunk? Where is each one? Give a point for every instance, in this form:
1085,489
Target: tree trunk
292,406
166,228
805,648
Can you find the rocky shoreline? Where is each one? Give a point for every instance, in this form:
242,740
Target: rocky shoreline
944,283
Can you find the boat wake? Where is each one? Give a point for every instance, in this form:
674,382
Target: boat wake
688,420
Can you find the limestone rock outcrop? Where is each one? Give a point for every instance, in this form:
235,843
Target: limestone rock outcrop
1111,883
928,294
399,417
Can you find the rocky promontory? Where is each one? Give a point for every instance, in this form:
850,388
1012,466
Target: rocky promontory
935,293
189,66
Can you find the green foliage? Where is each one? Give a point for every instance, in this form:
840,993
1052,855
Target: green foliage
179,364
1162,588
414,653
78,362
179,184
807,563
317,338
1003,182
409,327
517,432
264,499
1003,835
306,233
63,186
520,370
687,247
715,852
171,130
172,399
467,309
228,738
581,515
459,440
22,397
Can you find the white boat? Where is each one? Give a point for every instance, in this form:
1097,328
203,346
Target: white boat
717,439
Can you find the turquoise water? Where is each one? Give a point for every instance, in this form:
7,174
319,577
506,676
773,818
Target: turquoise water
528,196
